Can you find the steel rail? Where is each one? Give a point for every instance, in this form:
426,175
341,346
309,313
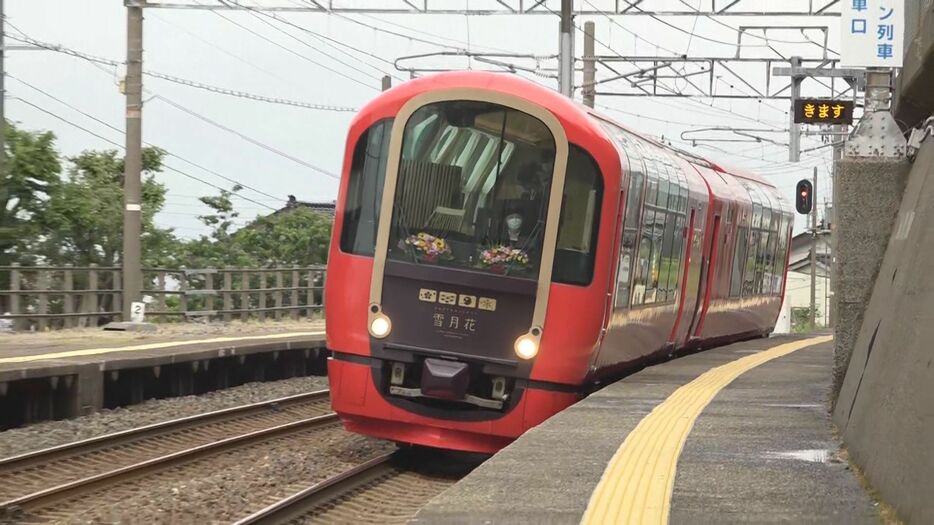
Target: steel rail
46,498
301,502
85,446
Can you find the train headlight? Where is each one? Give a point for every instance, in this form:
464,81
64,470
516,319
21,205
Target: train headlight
526,347
380,326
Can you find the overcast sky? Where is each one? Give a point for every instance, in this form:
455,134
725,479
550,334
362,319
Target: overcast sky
338,60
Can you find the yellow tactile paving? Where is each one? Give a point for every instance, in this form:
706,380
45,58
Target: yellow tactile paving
637,484
151,346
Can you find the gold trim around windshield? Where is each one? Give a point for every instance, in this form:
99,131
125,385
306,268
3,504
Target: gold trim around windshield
554,202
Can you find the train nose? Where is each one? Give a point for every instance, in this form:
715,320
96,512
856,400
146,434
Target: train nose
445,379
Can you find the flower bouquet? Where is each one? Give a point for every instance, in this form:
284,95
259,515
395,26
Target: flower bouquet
428,248
498,257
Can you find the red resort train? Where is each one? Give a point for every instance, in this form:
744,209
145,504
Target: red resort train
498,249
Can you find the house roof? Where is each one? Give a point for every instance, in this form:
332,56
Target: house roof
326,208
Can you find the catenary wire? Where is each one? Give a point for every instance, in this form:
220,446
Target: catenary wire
296,53
91,59
121,146
118,130
325,39
179,80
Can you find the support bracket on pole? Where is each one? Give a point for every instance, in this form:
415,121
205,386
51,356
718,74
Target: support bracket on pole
877,134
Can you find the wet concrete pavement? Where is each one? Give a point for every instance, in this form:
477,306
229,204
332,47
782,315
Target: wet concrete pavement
762,451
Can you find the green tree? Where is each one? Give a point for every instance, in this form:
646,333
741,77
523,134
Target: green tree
217,249
30,173
292,236
83,222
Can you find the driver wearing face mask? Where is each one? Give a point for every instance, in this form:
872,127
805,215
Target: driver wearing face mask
514,229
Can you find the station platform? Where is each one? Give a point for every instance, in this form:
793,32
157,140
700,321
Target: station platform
740,433
64,374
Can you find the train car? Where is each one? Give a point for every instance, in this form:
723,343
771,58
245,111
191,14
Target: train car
499,249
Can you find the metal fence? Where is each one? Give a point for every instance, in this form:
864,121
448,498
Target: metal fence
52,297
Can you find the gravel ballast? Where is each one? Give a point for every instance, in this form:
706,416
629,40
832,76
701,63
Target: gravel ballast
229,486
51,433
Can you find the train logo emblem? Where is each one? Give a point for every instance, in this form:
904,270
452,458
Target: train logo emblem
448,298
429,296
487,303
467,301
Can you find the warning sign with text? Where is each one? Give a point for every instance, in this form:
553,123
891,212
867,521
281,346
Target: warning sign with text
823,111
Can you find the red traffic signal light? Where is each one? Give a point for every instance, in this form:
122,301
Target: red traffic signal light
804,196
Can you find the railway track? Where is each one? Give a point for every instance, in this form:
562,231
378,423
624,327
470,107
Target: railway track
389,488
44,479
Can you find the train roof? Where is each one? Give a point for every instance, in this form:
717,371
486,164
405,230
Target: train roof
570,113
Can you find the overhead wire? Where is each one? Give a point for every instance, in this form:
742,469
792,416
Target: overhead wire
259,15
753,35
674,54
211,44
208,120
179,80
407,28
296,53
389,32
122,147
247,138
325,39
118,130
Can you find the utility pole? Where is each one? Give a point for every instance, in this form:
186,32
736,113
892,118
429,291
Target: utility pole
794,141
589,89
133,162
2,88
566,49
387,81
813,315
853,77
832,226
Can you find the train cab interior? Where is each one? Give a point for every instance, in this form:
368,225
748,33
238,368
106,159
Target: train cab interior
466,166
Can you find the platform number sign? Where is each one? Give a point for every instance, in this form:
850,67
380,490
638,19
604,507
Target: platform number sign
137,312
823,111
872,33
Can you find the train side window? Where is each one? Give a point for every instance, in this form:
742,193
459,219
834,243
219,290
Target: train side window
666,261
580,218
652,292
628,250
664,187
640,283
749,272
365,190
761,256
769,262
739,260
674,274
780,256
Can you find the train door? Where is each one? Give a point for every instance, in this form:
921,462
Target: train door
708,274
689,240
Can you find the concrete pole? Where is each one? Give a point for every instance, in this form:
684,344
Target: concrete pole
566,49
837,155
813,315
794,140
2,89
133,162
590,66
387,82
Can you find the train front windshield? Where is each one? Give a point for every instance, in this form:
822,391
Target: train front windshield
474,181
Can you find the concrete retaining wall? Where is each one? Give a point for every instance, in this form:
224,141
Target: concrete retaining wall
867,193
885,410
